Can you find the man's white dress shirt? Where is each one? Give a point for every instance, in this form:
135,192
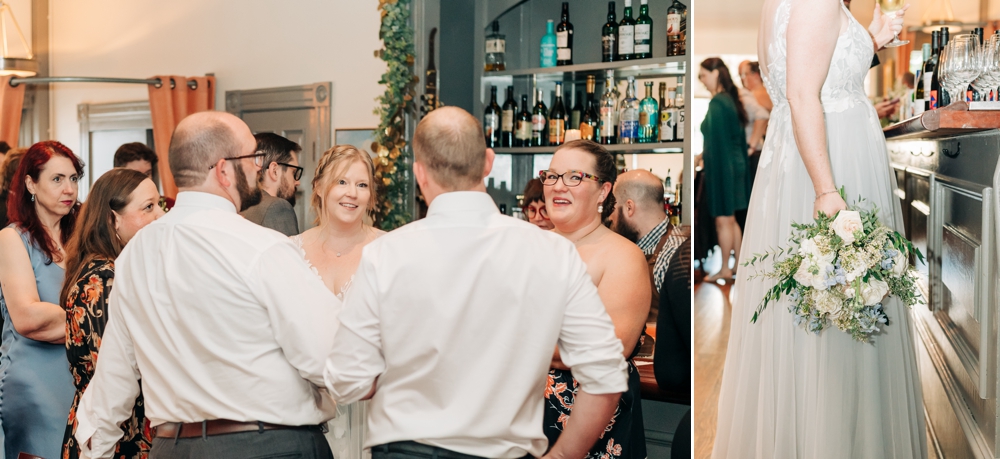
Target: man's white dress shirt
220,318
458,315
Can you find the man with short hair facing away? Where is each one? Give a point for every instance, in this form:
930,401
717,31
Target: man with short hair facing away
278,179
222,320
640,217
139,157
451,321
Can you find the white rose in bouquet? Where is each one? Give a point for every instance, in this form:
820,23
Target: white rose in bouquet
805,276
825,301
846,223
900,262
808,248
848,291
873,292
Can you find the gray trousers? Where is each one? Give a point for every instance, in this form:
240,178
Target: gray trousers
269,444
414,450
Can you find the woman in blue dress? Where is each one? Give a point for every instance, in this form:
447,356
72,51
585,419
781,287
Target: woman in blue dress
36,388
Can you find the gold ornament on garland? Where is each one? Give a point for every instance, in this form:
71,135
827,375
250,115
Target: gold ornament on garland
391,166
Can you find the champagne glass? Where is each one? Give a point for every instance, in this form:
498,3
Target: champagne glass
889,8
986,82
943,74
964,64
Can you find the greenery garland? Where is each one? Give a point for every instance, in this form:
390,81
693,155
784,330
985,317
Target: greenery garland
392,165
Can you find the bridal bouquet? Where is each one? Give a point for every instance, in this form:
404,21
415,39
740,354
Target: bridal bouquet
839,271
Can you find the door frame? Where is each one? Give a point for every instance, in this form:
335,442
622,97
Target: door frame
113,116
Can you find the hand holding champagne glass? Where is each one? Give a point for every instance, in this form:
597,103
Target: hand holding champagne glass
890,8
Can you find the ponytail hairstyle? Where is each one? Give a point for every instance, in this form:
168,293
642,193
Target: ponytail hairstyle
727,86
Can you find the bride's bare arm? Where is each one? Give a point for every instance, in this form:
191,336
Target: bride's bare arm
813,29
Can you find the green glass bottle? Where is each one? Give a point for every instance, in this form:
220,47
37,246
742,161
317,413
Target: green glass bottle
649,116
643,32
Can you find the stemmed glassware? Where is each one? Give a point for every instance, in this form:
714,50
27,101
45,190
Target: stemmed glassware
964,65
988,79
890,7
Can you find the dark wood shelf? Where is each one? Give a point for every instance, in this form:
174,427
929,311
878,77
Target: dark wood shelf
661,147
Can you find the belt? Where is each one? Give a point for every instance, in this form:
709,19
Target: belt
218,427
428,450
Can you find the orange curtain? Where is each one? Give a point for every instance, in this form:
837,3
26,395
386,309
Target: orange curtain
11,102
169,104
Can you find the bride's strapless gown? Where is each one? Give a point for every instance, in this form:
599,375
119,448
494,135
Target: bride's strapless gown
786,392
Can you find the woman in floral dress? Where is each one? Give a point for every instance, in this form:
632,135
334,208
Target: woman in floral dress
121,202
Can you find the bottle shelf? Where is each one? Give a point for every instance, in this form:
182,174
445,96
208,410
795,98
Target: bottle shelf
660,147
640,68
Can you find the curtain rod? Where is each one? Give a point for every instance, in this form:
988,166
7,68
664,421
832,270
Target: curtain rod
39,80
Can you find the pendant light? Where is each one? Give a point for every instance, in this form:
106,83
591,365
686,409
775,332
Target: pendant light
18,66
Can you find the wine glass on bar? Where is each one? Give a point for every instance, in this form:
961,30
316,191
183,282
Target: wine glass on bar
890,7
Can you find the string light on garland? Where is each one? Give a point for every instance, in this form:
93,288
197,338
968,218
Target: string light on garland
392,166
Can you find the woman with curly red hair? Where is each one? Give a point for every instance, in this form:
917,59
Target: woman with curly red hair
34,376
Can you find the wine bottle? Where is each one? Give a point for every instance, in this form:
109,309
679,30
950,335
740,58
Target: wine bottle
564,38
628,116
643,32
626,34
649,116
608,124
944,98
667,118
920,92
507,119
679,107
522,137
549,47
931,82
491,120
675,41
591,117
557,119
539,120
576,113
609,36
496,48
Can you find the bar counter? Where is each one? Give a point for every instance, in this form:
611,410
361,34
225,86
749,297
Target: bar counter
945,164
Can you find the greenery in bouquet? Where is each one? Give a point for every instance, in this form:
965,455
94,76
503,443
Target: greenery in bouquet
839,270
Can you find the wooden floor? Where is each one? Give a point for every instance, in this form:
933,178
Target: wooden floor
712,313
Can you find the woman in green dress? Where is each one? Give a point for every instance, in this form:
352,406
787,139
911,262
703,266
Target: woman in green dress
727,184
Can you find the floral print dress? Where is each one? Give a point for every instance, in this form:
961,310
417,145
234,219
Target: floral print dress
86,316
623,438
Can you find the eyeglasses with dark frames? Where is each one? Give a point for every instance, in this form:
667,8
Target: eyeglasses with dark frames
258,159
297,174
531,212
569,178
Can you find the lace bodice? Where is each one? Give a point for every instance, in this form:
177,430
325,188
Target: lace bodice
297,240
844,85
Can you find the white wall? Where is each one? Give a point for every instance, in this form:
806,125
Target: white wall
247,44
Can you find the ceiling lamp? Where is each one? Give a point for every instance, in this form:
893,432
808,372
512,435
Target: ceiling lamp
17,66
939,15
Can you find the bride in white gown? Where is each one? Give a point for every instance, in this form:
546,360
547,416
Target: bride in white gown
343,196
786,392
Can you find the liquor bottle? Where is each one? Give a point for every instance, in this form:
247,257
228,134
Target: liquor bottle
549,45
590,119
944,98
609,36
667,118
931,84
522,137
643,32
679,107
628,116
507,119
973,93
564,38
919,92
608,123
491,120
649,116
626,34
557,119
539,120
576,113
674,38
496,48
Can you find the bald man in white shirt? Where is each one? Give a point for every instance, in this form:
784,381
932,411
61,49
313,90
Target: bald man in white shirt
451,321
221,319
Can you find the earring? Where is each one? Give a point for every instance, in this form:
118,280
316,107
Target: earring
32,198
600,209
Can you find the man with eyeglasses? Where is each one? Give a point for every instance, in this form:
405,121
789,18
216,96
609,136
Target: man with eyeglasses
222,321
278,180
